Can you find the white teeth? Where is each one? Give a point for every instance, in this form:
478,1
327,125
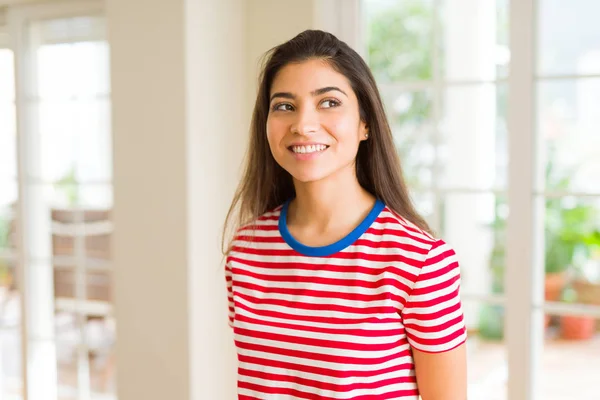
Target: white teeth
308,149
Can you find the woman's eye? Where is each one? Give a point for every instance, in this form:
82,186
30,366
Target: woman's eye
283,107
330,103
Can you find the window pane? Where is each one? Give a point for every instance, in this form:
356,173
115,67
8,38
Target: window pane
101,340
11,381
73,113
474,39
572,250
75,357
68,340
75,141
568,121
95,196
568,33
50,202
475,226
8,251
473,151
8,210
7,76
411,121
73,70
83,288
571,360
8,149
8,141
400,39
424,202
11,378
486,351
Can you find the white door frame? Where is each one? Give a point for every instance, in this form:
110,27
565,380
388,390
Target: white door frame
524,248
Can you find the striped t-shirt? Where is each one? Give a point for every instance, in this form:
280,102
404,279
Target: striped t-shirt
339,321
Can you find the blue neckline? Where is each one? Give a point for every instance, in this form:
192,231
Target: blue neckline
333,248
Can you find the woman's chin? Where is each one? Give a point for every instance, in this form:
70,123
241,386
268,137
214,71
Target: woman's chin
305,177
312,175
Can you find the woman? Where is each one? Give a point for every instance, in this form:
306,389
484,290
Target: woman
337,288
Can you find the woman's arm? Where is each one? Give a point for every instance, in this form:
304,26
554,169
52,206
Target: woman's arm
435,327
442,376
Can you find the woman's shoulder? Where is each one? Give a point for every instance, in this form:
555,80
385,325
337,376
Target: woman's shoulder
392,223
254,232
265,224
268,218
424,247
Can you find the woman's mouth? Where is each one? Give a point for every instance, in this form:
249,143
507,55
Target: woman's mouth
308,149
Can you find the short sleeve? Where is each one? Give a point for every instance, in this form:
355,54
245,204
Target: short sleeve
433,315
229,282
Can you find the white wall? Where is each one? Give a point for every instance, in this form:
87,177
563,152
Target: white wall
216,133
150,198
269,23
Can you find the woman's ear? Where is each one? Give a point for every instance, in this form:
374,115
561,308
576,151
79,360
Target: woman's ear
364,131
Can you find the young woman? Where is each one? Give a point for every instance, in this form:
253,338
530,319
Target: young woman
337,288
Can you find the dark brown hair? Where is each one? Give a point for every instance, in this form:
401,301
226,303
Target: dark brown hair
266,185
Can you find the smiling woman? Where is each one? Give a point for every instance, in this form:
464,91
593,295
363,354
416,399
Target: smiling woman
337,288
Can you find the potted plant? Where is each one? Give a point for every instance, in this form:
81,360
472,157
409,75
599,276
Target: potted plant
575,327
587,281
570,233
559,251
560,237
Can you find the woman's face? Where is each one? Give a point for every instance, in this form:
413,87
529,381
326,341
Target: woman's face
313,127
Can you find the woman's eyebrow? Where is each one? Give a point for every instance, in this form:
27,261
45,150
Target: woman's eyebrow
285,95
324,90
317,92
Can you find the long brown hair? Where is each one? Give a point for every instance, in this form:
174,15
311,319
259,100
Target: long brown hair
266,184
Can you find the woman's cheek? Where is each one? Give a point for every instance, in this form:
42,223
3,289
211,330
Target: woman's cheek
275,136
271,132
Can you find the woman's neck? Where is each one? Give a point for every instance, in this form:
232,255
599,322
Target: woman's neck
330,207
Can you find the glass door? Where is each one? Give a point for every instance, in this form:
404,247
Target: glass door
64,180
441,67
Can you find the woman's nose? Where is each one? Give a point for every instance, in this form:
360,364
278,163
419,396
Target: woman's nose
307,122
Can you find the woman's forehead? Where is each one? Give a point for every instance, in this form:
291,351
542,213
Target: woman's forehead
305,77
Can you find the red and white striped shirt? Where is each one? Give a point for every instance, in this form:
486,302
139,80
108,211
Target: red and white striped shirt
339,321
